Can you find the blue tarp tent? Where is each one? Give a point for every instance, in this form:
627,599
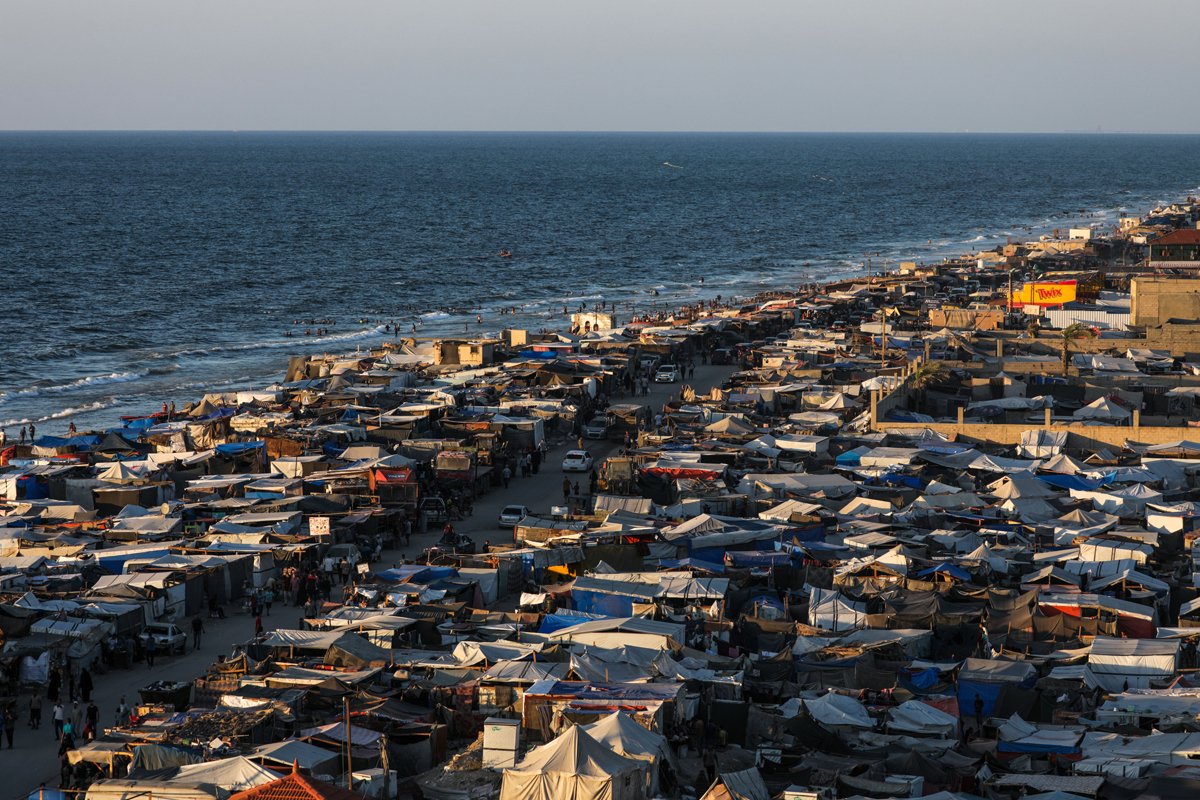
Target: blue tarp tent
1075,481
946,569
239,448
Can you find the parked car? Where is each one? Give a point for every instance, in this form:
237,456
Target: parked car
512,515
577,461
667,373
350,552
597,427
434,509
168,637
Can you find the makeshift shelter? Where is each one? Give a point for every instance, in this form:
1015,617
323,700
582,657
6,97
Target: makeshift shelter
623,736
1117,665
574,766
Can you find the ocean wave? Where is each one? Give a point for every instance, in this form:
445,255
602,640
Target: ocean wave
81,383
62,414
295,342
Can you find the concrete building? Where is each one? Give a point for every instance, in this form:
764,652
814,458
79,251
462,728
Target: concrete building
1155,300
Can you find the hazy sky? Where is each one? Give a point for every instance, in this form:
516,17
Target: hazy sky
775,65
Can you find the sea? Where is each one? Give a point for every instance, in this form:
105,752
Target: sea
143,268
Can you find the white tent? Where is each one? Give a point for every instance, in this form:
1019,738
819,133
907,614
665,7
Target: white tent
830,610
1117,665
839,711
913,716
620,734
1103,408
574,766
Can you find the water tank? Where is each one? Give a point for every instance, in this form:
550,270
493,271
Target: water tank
501,742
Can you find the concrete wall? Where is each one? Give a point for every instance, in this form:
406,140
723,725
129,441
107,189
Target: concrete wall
1079,437
1156,300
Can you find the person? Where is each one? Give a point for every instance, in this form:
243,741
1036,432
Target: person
978,711
197,629
58,717
23,434
7,723
32,432
151,651
506,475
258,626
76,716
35,710
171,411
93,721
566,490
268,599
122,712
85,684
344,569
71,429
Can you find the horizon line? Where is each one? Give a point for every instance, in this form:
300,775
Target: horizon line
1069,132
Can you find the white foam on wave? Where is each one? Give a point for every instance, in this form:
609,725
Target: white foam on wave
63,413
295,342
81,383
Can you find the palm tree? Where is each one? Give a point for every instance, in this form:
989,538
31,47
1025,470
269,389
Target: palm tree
925,375
1076,330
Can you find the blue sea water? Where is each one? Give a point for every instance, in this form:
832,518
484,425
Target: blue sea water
140,268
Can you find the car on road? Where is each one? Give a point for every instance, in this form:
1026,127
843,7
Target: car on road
667,373
458,543
168,637
597,427
577,461
512,515
350,552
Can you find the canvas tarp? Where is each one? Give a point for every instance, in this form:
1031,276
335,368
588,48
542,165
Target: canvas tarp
574,766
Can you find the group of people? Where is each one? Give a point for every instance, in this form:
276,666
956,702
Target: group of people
28,433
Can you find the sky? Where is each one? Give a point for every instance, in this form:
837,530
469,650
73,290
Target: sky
617,65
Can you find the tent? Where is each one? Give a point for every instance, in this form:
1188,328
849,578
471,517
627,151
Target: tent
1103,408
914,716
622,735
1120,664
574,766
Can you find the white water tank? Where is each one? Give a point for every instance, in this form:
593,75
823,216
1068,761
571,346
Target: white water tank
501,742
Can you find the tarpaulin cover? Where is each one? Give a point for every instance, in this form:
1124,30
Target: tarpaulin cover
574,766
237,448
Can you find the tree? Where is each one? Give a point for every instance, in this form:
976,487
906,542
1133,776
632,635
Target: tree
926,374
1076,330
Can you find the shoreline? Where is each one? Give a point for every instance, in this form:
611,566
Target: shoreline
534,315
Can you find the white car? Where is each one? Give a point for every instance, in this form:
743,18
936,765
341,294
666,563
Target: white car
512,515
667,374
597,428
577,461
168,638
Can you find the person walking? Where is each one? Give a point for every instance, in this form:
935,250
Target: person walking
122,712
258,626
93,721
566,491
58,717
35,711
77,716
197,629
7,723
151,651
506,475
268,599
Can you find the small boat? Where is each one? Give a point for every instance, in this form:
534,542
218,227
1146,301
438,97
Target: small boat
505,254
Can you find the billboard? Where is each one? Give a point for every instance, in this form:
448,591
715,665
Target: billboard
1044,293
